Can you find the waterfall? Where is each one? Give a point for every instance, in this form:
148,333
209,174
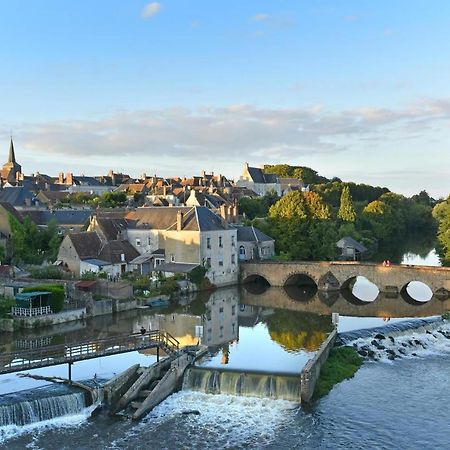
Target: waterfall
248,384
37,410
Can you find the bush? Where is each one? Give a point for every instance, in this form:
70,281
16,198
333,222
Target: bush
196,275
5,307
57,294
89,275
46,272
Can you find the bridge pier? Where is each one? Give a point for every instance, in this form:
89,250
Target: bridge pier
69,366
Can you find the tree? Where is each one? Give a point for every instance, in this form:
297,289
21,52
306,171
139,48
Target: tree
346,210
442,213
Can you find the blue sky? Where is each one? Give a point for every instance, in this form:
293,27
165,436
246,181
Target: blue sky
355,89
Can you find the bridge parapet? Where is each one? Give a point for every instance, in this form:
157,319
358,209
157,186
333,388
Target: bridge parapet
334,275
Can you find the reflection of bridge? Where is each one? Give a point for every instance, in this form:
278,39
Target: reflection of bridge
324,303
68,354
332,276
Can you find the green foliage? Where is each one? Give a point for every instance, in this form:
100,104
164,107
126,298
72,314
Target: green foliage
306,174
32,245
442,214
141,283
346,210
446,315
110,200
46,272
342,363
257,207
89,275
5,307
196,275
57,297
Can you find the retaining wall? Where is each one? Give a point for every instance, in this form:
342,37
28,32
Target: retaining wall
311,372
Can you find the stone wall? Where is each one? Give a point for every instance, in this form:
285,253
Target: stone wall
311,372
50,319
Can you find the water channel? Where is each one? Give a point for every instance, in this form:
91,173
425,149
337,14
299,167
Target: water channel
403,403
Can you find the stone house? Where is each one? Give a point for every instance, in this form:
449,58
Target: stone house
350,249
253,244
85,251
258,181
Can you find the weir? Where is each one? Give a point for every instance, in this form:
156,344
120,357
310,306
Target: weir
246,384
19,412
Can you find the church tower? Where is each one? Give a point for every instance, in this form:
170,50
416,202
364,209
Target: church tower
11,171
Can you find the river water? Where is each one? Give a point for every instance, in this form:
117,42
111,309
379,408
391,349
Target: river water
404,403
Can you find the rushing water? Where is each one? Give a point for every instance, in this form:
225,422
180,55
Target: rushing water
400,401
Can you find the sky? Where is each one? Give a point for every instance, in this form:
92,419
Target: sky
357,89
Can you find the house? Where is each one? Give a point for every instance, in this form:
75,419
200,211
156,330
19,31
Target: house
89,185
257,180
253,244
85,251
350,249
6,210
183,237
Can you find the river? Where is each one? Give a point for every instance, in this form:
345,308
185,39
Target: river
403,403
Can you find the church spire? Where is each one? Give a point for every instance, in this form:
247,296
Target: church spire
12,156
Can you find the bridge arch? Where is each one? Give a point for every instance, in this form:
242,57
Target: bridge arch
300,287
256,284
359,290
416,292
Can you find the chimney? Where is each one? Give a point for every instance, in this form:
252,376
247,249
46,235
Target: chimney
164,190
179,220
223,212
61,178
69,178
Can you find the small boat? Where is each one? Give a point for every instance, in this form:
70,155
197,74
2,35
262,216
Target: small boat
158,303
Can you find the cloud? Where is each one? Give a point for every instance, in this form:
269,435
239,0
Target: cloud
181,141
278,21
151,9
261,17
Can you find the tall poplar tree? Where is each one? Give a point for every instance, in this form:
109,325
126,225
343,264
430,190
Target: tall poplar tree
346,210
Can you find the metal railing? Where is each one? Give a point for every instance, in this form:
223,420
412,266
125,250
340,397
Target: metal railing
61,354
30,312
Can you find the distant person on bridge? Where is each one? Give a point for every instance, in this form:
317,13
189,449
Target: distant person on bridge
143,331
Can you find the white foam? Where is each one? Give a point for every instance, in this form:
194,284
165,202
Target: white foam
434,343
251,420
13,431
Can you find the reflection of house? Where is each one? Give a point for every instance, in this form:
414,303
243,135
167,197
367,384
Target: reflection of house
350,249
254,244
257,180
220,323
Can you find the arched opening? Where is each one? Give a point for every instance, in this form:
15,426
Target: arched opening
359,290
242,255
329,298
416,292
329,282
256,284
300,287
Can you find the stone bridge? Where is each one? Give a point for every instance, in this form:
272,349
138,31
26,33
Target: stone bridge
334,276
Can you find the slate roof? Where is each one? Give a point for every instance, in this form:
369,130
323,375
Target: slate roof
195,218
251,234
87,244
176,267
111,251
111,228
86,181
258,176
15,195
62,216
349,242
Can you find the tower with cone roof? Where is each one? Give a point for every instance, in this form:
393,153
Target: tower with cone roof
11,171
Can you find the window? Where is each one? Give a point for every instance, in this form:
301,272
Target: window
242,253
208,263
172,258
233,259
232,241
233,310
220,242
220,260
208,242
138,242
149,241
122,257
221,309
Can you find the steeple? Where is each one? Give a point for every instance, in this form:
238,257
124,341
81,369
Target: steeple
12,156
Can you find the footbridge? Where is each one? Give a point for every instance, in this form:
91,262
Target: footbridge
334,276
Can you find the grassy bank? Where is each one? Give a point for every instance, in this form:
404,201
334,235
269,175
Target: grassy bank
342,363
